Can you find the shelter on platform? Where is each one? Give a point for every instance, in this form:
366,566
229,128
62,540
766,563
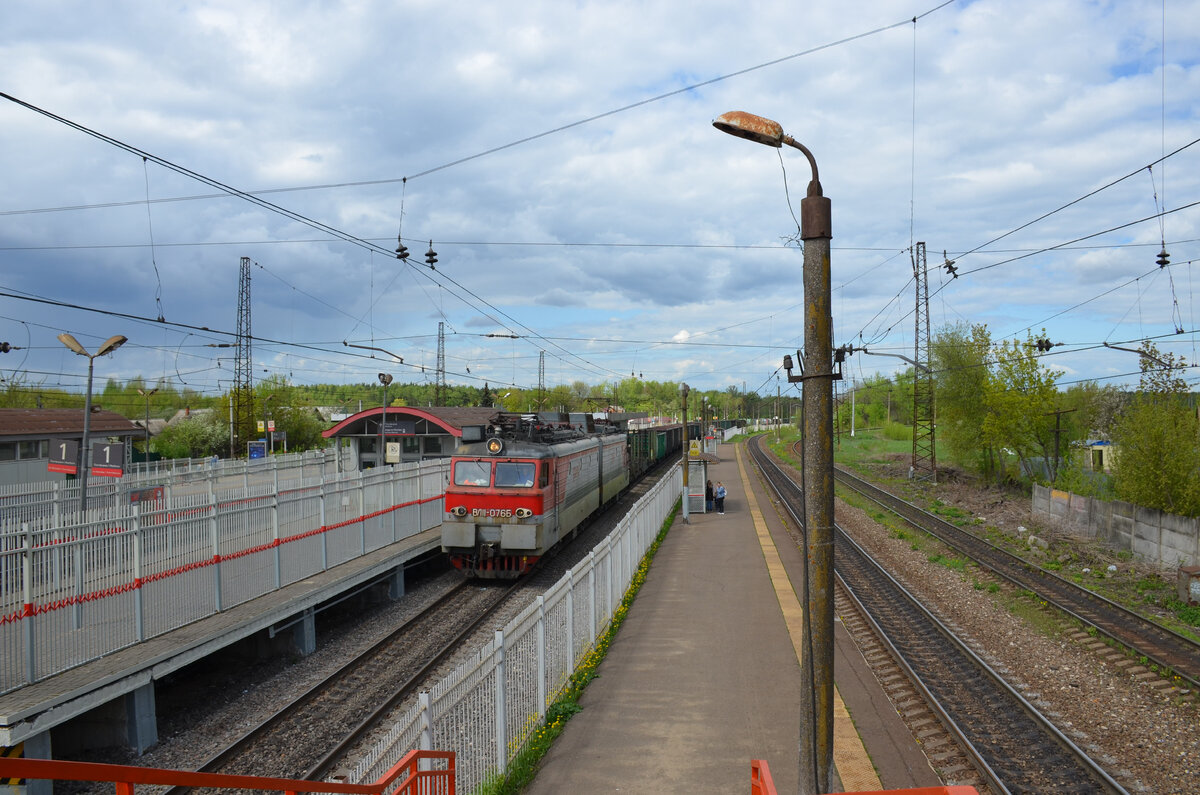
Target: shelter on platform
26,436
408,434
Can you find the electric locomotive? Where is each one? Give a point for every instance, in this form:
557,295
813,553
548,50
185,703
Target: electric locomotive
524,482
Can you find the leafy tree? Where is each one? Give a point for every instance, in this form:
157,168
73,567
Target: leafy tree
961,357
1021,399
1157,461
198,436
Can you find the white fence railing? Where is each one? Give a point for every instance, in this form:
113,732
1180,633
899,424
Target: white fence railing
28,501
74,588
487,708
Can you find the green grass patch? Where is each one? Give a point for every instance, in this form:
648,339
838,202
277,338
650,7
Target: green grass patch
954,564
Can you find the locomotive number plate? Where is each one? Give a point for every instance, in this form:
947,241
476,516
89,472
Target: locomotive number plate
504,513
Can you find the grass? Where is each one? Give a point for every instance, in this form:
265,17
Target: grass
524,766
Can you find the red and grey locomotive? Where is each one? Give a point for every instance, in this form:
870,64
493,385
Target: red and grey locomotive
522,483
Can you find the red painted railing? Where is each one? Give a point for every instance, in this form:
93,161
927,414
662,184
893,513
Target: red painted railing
405,778
762,784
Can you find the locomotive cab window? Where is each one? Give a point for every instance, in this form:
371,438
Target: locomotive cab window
544,480
511,473
472,473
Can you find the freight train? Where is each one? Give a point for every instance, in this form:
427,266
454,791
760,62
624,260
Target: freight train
525,482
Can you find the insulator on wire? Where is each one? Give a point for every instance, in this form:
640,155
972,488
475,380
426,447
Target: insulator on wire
401,249
1164,259
431,257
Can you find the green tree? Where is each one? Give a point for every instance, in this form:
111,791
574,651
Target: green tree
1157,461
961,357
198,436
1021,400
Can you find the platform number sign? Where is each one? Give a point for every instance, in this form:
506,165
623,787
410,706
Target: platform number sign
108,459
64,456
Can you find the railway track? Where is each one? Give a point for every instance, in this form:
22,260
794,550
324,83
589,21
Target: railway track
1001,736
336,716
1169,650
336,712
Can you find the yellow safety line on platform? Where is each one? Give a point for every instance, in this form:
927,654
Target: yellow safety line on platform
850,757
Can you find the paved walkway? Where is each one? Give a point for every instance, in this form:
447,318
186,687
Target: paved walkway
704,674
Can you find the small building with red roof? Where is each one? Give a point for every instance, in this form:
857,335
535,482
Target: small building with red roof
409,433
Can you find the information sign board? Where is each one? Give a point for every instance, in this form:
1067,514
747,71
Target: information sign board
64,456
256,449
108,459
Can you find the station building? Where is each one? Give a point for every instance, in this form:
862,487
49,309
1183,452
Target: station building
408,433
26,436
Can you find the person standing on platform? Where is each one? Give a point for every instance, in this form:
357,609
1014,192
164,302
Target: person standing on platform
719,496
708,496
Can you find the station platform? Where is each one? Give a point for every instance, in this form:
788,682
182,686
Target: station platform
122,683
704,675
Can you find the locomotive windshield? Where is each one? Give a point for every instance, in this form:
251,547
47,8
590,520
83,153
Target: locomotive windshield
510,474
472,473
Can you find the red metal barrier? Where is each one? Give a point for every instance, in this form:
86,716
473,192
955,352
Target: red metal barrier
761,783
405,778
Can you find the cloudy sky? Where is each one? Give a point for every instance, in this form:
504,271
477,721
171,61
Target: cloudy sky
561,159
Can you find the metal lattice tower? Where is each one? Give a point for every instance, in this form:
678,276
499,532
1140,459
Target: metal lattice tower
924,455
243,376
439,397
541,397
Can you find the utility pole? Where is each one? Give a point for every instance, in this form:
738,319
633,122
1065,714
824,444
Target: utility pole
439,397
924,455
243,377
541,395
1057,432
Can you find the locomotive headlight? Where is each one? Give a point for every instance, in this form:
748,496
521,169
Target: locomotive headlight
523,513
459,510
495,446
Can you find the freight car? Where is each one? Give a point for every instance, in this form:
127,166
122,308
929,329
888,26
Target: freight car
524,482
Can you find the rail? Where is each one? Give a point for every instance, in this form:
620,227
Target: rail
406,777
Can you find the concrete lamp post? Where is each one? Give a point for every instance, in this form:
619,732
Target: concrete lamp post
110,345
816,757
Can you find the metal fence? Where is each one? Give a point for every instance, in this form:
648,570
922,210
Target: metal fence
74,588
29,501
487,708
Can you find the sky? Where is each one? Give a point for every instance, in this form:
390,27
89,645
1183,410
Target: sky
560,159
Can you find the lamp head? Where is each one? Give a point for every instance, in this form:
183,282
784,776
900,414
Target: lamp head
111,344
385,378
72,343
751,127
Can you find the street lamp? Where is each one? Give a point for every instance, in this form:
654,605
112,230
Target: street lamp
385,379
146,394
110,345
815,231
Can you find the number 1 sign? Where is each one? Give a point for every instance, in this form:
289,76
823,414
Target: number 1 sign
108,460
64,456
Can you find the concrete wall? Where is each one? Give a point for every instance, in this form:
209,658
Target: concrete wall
1163,539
